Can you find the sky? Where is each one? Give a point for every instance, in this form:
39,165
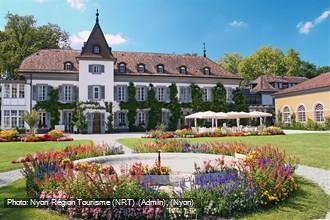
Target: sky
182,26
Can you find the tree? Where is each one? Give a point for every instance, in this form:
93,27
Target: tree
174,107
323,69
108,107
78,118
219,98
266,60
196,98
230,62
155,109
31,118
292,62
132,106
307,69
22,37
238,99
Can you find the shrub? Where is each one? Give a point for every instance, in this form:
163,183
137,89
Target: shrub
8,134
56,133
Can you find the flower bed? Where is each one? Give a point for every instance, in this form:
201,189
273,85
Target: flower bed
188,133
263,178
53,135
185,147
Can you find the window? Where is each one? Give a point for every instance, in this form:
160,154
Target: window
141,68
96,68
286,114
318,113
141,118
6,119
21,119
184,94
301,113
42,92
121,93
21,92
165,117
42,120
122,119
7,91
68,66
206,95
229,95
183,70
13,118
160,68
96,49
122,68
14,90
96,92
160,94
207,71
67,93
140,94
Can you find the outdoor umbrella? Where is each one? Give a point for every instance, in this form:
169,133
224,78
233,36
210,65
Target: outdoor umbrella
194,116
237,116
208,115
219,115
256,114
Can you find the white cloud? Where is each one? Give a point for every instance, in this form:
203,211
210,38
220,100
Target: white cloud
305,27
77,40
238,24
77,4
40,1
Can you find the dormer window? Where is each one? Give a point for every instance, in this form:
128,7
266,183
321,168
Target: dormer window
206,71
160,68
141,68
183,70
96,49
122,68
68,66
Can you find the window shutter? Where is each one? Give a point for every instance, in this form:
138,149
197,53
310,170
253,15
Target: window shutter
90,68
75,94
102,122
145,94
101,68
61,93
181,94
48,120
156,93
136,93
48,88
102,92
115,119
89,123
147,120
189,93
126,93
35,92
211,94
90,92
115,93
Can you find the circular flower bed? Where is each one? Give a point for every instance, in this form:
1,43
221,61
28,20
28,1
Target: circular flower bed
218,188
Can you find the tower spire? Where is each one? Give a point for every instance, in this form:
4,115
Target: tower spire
204,50
97,16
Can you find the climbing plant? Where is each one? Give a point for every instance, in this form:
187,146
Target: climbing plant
109,106
219,98
131,106
238,99
196,98
78,118
175,107
155,108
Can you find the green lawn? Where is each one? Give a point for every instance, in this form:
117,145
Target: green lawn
12,150
312,149
308,202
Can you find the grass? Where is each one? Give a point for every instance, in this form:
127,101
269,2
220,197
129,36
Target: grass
312,149
12,150
308,202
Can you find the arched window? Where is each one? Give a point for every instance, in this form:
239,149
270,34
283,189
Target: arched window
318,113
141,68
183,70
160,68
68,66
122,68
301,113
286,114
206,71
96,49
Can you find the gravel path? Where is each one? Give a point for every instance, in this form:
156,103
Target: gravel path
8,177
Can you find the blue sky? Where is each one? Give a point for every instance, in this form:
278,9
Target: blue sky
181,26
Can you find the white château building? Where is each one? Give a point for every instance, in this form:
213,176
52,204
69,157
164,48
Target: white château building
96,74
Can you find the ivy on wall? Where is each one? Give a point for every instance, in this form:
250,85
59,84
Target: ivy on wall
78,118
196,98
131,105
155,108
175,108
108,107
238,100
219,98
